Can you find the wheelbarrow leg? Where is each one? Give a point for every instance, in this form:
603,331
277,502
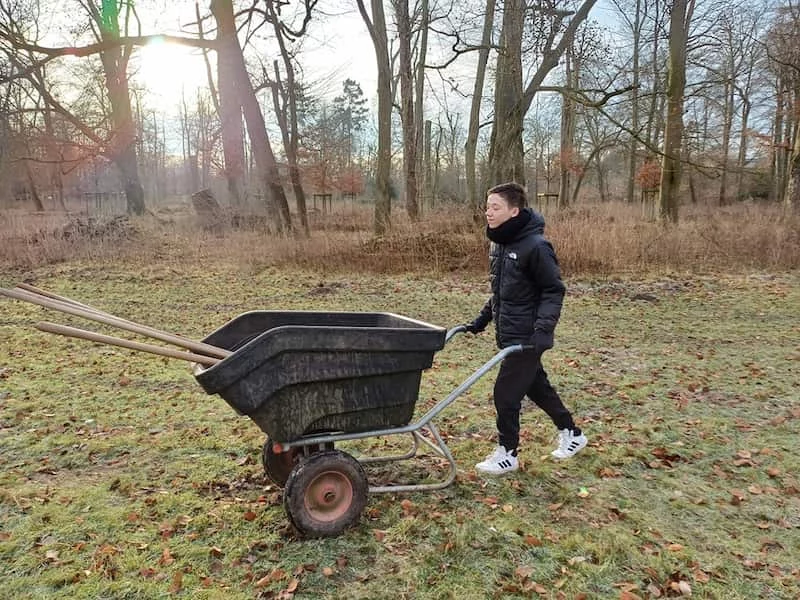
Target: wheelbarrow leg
410,454
440,448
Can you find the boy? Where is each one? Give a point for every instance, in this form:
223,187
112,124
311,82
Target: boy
525,304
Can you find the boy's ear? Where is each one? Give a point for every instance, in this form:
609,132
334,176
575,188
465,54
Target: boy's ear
514,211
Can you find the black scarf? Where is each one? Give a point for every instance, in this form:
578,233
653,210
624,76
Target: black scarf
508,231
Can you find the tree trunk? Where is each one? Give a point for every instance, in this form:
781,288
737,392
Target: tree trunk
727,125
254,118
776,193
792,198
741,160
407,108
383,160
567,151
630,188
673,135
423,171
230,111
427,163
35,198
123,147
476,200
506,149
651,129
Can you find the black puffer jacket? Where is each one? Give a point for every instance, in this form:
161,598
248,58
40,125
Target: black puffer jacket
527,291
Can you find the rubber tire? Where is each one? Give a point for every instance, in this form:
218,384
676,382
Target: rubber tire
326,494
278,466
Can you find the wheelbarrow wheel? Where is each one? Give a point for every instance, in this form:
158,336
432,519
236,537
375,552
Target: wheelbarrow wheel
325,494
278,466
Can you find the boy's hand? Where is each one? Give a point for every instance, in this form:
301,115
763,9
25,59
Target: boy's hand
542,340
471,328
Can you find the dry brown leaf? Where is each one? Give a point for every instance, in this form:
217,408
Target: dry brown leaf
328,572
523,572
654,590
532,541
166,558
177,582
249,515
701,576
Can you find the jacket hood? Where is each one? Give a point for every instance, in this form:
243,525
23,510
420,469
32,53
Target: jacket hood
535,225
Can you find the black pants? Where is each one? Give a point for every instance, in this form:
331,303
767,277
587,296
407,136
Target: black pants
522,374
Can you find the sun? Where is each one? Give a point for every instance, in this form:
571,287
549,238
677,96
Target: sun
169,71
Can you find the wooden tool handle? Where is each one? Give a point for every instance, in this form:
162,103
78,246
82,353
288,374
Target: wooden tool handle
131,345
71,309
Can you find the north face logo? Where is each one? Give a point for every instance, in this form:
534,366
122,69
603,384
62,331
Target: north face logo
512,255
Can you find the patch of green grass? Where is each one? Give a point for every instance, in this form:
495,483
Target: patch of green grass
121,478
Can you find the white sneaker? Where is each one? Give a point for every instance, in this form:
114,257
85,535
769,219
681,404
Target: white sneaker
569,444
498,462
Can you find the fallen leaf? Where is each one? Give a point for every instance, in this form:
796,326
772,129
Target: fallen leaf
379,535
166,558
675,547
292,587
407,506
177,582
532,541
654,590
507,508
249,515
328,572
701,576
523,572
737,496
682,587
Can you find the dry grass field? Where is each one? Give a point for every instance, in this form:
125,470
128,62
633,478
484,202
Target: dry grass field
677,350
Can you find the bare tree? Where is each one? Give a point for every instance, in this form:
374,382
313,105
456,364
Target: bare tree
376,25
475,199
230,51
680,18
557,28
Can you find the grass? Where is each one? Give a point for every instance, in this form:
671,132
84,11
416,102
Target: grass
120,478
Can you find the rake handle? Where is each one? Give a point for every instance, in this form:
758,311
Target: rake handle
72,309
131,345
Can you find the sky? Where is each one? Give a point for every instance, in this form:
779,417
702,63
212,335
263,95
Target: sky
336,49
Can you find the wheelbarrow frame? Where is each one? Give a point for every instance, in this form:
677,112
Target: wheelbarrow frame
438,445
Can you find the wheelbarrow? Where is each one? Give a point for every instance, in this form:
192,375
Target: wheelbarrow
310,380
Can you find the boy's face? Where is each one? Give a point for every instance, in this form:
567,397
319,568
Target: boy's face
498,211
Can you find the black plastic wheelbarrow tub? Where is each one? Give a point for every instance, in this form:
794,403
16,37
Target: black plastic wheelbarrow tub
295,373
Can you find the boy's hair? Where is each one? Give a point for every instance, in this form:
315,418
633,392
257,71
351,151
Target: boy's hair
512,192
